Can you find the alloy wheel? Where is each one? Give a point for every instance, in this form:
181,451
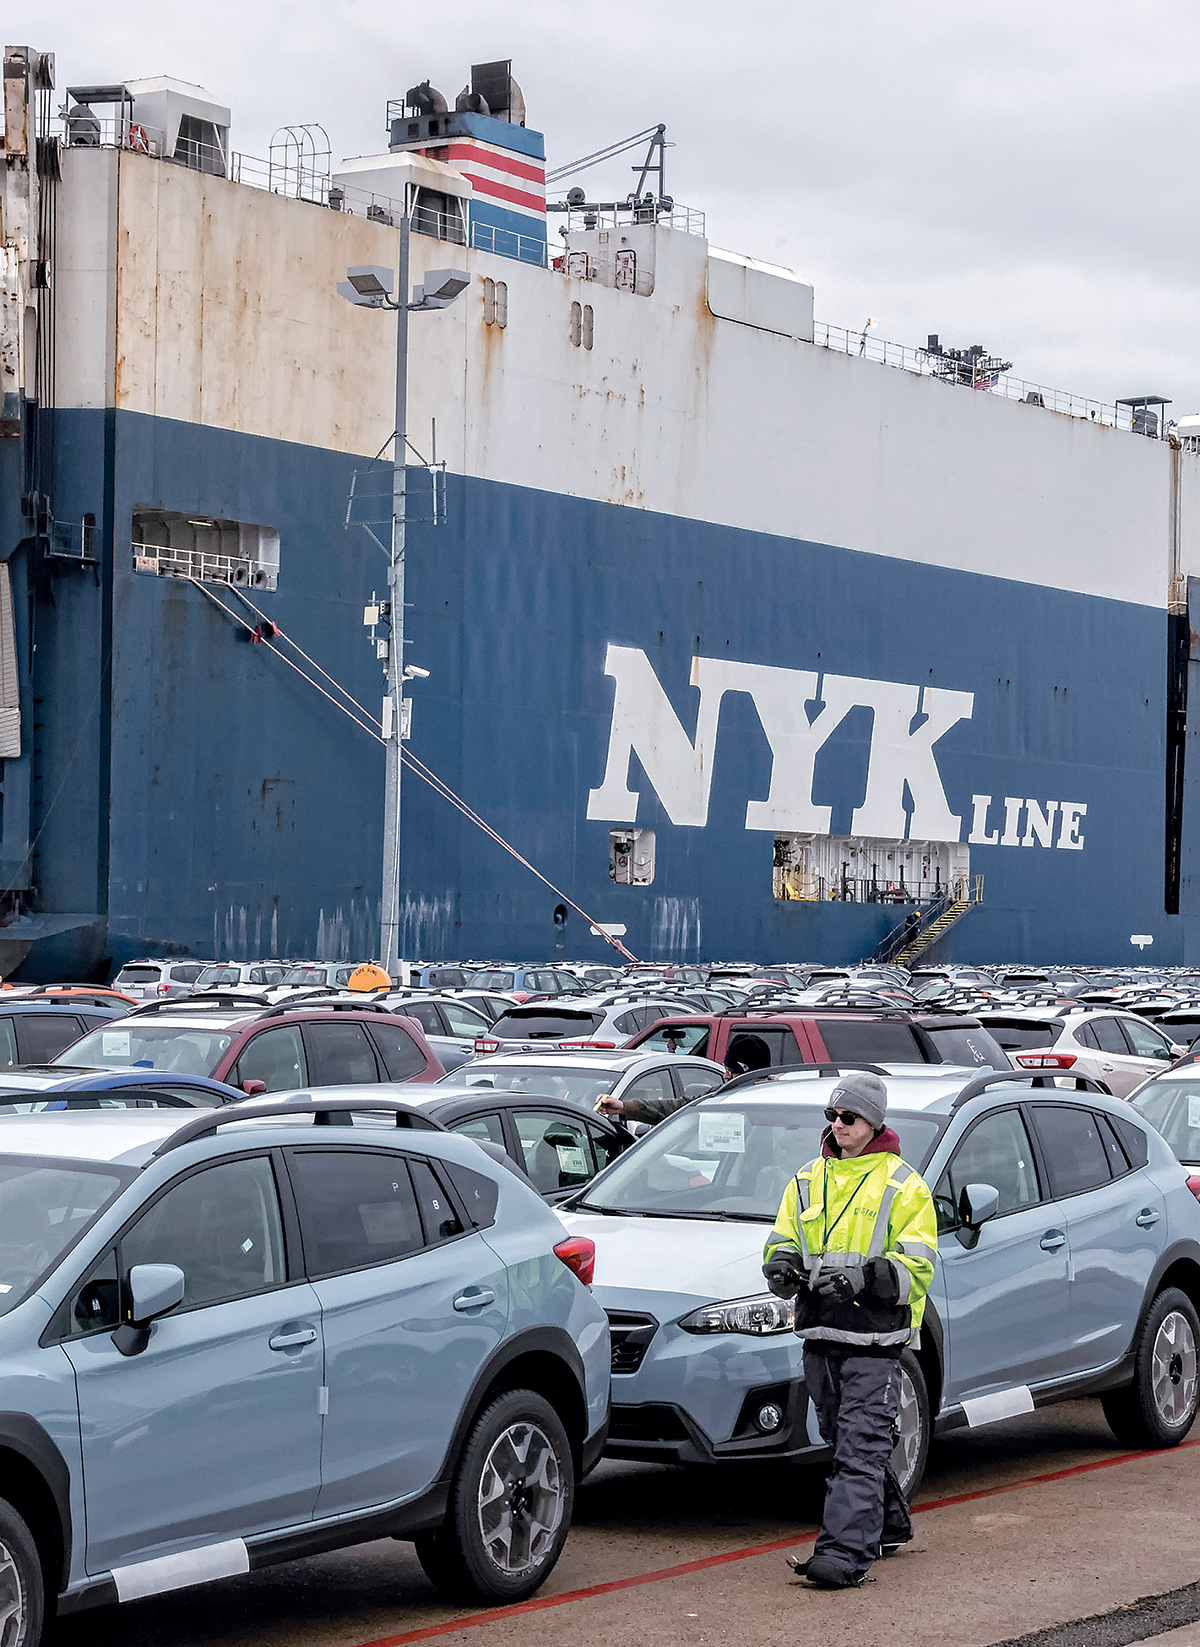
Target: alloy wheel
906,1454
520,1499
12,1600
1173,1369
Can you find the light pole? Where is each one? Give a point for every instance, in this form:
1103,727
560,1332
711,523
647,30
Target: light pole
369,286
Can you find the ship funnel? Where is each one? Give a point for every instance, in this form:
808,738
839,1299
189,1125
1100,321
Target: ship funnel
426,99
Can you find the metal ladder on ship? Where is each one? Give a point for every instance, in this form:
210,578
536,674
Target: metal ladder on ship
967,896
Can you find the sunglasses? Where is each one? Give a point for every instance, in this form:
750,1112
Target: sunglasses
846,1116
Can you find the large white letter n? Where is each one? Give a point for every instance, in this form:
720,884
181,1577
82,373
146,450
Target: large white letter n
644,724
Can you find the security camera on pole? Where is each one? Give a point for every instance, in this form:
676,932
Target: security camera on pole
370,287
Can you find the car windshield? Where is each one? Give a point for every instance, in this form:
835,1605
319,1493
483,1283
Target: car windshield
715,1161
304,975
187,1051
44,1208
581,1087
1173,1108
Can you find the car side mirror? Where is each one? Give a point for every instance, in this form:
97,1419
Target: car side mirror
253,1088
976,1204
153,1290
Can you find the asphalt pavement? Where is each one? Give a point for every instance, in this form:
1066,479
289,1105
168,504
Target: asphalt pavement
1039,1530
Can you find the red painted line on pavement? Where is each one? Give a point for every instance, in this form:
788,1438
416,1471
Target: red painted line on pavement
541,1603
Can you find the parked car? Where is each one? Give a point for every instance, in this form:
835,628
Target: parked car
586,1021
1069,1265
579,1078
831,1034
34,1088
309,975
150,980
554,1145
34,1029
523,981
263,1048
240,975
181,1375
1171,1103
446,1015
1118,1048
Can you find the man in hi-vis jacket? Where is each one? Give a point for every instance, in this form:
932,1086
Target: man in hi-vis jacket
854,1243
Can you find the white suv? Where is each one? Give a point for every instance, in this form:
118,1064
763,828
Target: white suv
1117,1048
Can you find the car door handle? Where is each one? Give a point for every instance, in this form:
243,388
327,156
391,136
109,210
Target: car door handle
1107,1068
1146,1217
293,1337
1052,1240
475,1299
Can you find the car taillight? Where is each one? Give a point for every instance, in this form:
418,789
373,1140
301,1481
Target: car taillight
485,1043
163,989
1193,1184
1045,1060
575,1046
579,1255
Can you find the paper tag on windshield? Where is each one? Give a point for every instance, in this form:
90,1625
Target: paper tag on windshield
115,1043
723,1132
1194,1113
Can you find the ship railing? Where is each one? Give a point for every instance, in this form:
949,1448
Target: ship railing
623,214
866,346
205,565
522,248
804,886
621,271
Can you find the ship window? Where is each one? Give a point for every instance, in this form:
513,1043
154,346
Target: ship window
203,547
631,857
502,303
587,325
489,302
576,323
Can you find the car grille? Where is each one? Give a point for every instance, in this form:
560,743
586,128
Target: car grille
649,1423
631,1335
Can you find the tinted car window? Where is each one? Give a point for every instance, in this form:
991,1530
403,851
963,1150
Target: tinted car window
653,1087
96,1303
557,1154
446,977
275,1056
42,1036
1075,1154
967,1045
356,1207
221,1227
189,974
426,1015
137,975
477,1192
552,1023
996,1151
869,1041
1108,1036
1086,1036
1018,1034
1118,1160
339,1055
627,1024
402,1057
437,1210
8,1044
607,1143
493,980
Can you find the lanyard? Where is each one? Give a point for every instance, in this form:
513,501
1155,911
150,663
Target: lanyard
828,1229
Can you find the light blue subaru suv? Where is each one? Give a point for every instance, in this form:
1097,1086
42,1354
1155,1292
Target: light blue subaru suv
239,1337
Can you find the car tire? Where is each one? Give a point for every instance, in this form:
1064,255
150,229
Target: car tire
911,1452
502,1536
1159,1407
22,1586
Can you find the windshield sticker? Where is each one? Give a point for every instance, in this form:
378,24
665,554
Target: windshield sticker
1194,1114
115,1043
572,1159
722,1132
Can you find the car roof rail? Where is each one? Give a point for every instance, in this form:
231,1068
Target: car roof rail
322,1111
776,1070
207,998
981,1083
367,1004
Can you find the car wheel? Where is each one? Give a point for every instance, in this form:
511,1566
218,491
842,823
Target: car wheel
510,1505
22,1590
1159,1407
911,1452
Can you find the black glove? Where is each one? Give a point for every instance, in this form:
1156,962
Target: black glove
786,1275
842,1284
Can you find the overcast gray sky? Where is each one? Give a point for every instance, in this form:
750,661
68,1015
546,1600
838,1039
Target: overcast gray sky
1012,173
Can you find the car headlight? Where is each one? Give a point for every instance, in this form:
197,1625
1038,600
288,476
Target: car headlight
756,1316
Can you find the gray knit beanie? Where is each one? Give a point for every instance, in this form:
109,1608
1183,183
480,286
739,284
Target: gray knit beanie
865,1094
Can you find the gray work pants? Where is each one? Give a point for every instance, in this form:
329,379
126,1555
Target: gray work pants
857,1398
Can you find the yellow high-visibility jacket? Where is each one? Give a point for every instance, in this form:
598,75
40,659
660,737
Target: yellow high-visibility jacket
872,1211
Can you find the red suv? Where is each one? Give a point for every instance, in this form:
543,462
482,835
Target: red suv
831,1035
262,1048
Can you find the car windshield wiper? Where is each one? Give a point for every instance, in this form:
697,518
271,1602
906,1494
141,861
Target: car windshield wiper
608,1212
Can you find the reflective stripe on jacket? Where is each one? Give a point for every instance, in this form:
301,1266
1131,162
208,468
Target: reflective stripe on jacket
872,1211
